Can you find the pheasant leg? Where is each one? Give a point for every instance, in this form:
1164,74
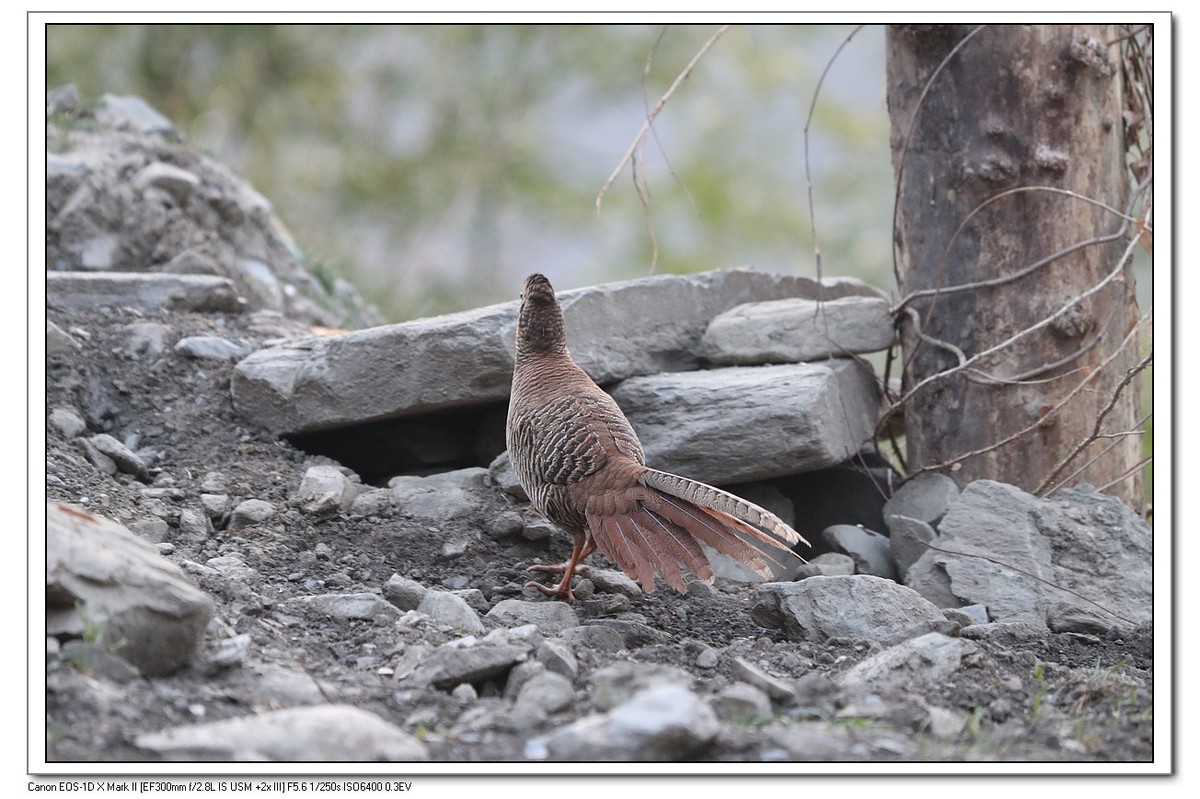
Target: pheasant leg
584,546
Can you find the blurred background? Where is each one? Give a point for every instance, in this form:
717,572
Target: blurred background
435,166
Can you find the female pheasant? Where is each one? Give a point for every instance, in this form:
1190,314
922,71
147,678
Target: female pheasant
582,465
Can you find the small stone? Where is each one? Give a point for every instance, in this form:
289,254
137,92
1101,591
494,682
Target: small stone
121,455
909,541
551,618
557,657
194,526
707,659
215,505
827,564
213,348
231,652
667,722
465,693
154,530
92,659
611,581
446,608
538,530
449,666
926,498
521,673
593,636
871,552
323,732
145,340
214,483
774,687
741,703
455,548
404,593
548,691
342,607
620,682
191,262
67,422
102,462
250,513
635,634
504,525
377,502
324,491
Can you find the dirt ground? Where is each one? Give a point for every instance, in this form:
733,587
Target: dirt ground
1020,698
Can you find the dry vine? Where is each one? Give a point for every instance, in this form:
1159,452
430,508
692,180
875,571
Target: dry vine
1135,226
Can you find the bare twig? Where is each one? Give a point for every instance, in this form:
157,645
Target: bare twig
1125,474
812,213
1112,403
640,140
1137,431
1042,420
1036,265
1045,322
1031,575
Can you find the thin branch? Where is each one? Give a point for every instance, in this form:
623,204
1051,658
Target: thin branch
812,212
1138,431
1031,575
1125,474
1112,403
640,139
1026,377
1109,278
1003,279
1042,420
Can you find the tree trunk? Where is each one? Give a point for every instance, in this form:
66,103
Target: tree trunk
1015,107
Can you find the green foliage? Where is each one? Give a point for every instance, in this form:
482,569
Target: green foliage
442,163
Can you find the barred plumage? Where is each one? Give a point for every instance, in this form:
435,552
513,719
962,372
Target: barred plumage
582,466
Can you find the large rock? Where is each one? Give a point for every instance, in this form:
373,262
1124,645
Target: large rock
859,606
323,732
744,423
1020,555
615,330
103,580
797,330
148,292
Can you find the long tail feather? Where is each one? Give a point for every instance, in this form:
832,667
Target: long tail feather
756,520
708,530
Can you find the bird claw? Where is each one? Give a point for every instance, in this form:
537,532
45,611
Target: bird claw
557,568
560,591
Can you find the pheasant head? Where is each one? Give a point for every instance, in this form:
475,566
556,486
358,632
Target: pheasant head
540,323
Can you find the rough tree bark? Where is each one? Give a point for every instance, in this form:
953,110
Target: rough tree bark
1015,106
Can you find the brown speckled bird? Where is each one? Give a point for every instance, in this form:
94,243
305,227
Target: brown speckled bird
582,465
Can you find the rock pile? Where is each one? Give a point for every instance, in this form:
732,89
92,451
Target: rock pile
215,592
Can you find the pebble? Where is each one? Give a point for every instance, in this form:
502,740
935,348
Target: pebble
69,423
213,348
664,723
776,688
551,618
446,608
250,513
741,703
557,657
404,593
